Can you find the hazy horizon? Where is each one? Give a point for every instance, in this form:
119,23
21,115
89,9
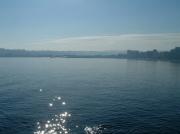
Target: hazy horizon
90,25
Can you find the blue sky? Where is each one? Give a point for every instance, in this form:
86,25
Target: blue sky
89,24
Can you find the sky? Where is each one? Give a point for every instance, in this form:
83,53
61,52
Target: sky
93,25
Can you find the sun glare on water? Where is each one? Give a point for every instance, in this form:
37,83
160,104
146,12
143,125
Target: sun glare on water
58,123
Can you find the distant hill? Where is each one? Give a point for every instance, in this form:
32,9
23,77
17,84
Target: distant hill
27,53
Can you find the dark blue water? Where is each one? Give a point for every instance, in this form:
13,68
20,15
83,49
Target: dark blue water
108,96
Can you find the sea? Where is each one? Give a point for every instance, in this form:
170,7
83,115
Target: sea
89,96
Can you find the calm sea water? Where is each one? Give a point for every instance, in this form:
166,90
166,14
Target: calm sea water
89,96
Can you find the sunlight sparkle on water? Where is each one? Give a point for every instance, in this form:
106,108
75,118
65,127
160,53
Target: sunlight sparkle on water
55,126
50,104
58,123
63,103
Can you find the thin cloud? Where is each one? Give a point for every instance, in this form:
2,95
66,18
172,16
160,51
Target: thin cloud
162,41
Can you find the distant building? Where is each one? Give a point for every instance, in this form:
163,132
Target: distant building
175,53
133,54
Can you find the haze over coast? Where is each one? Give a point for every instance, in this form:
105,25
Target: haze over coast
173,54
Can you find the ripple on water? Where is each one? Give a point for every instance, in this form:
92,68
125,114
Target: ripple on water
94,130
58,123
